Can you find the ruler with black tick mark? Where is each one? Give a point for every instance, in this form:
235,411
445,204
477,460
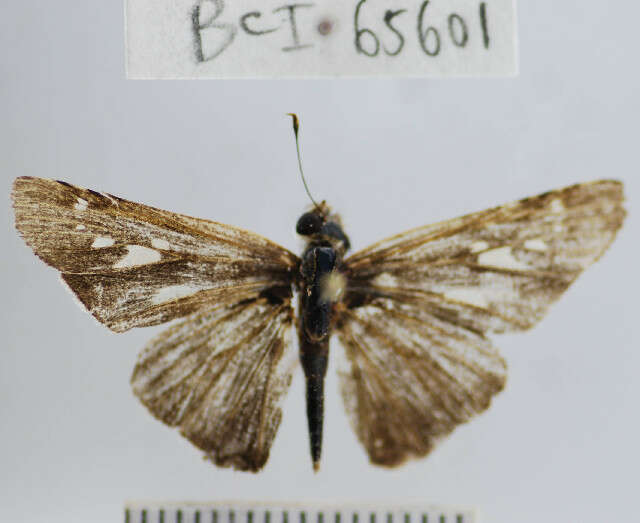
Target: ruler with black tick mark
291,513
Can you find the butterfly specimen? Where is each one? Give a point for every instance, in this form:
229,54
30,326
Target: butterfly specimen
412,312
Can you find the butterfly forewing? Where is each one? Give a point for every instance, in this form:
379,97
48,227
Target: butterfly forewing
496,270
220,375
132,265
418,306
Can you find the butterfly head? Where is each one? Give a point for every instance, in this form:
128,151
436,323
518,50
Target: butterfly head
321,226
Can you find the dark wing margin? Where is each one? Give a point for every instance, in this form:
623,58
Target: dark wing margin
418,307
413,377
132,265
220,376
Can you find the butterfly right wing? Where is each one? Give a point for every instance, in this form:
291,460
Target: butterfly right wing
419,305
220,376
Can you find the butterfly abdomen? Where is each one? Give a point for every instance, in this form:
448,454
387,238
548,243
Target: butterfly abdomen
321,288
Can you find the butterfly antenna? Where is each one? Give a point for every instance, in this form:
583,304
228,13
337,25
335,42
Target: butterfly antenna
296,126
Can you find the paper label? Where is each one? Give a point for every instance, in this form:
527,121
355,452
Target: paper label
287,38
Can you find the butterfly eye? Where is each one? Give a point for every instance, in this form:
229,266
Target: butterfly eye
309,223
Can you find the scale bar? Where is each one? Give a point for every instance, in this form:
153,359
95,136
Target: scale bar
294,513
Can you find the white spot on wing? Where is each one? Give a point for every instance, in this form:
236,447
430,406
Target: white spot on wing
501,258
173,292
80,227
556,206
102,241
385,279
159,243
535,244
138,255
479,246
81,205
113,201
470,296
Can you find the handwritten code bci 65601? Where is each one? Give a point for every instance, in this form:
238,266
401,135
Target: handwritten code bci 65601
313,38
378,27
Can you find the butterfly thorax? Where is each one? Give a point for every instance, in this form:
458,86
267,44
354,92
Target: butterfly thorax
321,282
321,287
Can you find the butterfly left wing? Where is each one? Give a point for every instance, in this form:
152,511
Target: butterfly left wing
221,375
132,265
418,307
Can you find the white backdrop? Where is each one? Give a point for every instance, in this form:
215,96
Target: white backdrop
559,444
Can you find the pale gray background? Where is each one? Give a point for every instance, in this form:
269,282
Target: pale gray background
559,444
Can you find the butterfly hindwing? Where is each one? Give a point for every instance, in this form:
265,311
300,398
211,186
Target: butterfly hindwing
412,378
132,265
220,376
